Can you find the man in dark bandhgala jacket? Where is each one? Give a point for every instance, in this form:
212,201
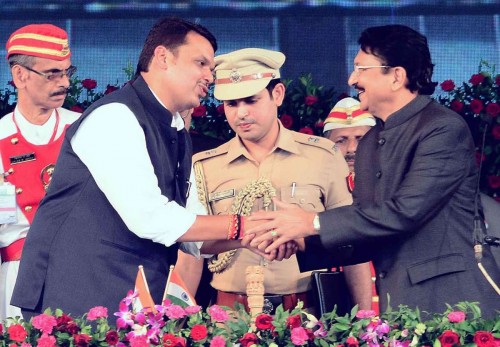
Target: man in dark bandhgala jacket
118,194
416,176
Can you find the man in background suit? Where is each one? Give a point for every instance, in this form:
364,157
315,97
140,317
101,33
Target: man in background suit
415,186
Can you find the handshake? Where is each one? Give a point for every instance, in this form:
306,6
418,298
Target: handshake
277,235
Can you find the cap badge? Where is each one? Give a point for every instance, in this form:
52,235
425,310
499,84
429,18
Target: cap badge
235,76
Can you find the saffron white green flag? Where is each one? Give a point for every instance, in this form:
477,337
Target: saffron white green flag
177,291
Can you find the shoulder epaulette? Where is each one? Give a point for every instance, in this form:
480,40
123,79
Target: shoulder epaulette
315,141
222,149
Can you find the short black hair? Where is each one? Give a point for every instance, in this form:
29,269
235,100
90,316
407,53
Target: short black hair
399,45
170,32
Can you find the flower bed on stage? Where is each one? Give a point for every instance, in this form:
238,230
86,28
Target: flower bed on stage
173,325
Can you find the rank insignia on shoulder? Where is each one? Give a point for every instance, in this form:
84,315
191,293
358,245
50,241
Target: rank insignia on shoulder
313,139
210,152
225,194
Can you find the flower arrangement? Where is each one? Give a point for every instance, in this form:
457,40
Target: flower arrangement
306,105
478,102
172,325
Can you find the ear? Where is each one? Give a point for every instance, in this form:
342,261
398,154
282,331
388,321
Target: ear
162,57
278,94
19,76
400,78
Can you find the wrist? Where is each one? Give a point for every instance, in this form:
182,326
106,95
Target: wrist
316,224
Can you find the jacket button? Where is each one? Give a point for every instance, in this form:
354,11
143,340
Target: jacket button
19,191
378,174
381,141
382,274
172,141
28,208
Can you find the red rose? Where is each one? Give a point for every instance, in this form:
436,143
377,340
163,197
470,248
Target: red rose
484,339
170,340
494,181
17,332
497,80
110,89
293,321
306,130
448,338
81,340
264,321
111,337
1,328
89,83
12,83
476,79
310,100
76,108
456,106
287,121
249,339
352,342
220,109
496,132
198,332
448,85
476,106
493,109
199,111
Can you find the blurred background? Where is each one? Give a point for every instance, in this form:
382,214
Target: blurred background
317,36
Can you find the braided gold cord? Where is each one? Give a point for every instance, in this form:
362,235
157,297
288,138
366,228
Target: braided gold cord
242,205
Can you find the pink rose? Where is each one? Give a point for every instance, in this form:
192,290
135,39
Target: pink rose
218,314
175,312
97,312
89,84
448,85
365,314
476,106
456,316
139,341
46,341
476,79
493,109
218,341
44,323
192,309
299,336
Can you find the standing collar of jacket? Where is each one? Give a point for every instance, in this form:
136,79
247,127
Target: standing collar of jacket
285,142
407,112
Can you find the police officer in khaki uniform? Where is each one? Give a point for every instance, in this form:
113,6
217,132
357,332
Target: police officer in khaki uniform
304,170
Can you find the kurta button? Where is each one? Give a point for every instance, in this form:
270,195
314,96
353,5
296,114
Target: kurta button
302,201
382,274
19,190
14,140
381,141
378,174
28,208
172,141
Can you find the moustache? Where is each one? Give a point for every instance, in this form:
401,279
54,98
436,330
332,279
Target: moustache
350,157
60,92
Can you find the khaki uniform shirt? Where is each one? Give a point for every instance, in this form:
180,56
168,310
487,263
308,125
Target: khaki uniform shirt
305,170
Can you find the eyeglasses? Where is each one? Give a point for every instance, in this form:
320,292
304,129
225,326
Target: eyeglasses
55,74
359,68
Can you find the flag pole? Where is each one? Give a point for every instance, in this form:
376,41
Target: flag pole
170,270
141,270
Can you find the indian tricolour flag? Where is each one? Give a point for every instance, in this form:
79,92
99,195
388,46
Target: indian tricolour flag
144,300
176,290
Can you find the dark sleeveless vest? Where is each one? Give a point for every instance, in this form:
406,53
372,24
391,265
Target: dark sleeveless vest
79,253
